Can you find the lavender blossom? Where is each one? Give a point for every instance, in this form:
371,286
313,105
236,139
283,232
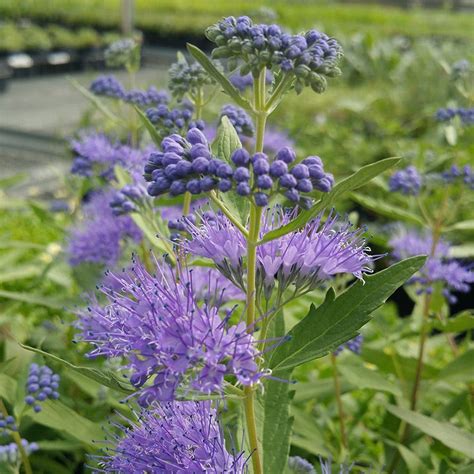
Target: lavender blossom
466,115
98,238
407,181
41,384
120,53
439,267
170,342
178,437
239,119
9,452
354,345
304,258
96,155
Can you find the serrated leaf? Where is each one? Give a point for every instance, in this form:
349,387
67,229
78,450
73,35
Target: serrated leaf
7,388
384,209
228,87
448,434
104,377
56,415
227,139
337,320
155,136
365,378
356,180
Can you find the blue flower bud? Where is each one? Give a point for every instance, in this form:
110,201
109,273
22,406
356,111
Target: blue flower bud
300,171
323,185
225,185
183,168
243,189
199,150
200,165
207,183
313,160
286,154
292,195
158,187
195,136
29,400
240,157
241,174
316,172
224,171
177,187
278,168
170,172
194,186
261,166
37,408
304,185
288,181
261,199
264,181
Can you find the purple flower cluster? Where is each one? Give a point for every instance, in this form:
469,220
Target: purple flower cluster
168,121
7,423
465,114
110,86
98,238
188,77
41,384
96,155
188,165
354,345
303,259
309,57
177,437
170,341
407,181
439,267
9,452
455,174
239,119
120,52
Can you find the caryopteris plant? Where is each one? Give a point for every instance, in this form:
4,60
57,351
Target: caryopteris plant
199,327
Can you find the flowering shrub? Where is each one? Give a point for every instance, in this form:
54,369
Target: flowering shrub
231,276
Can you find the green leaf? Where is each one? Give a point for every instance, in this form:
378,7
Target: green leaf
150,234
227,140
7,388
446,433
320,389
104,377
451,134
228,87
337,320
19,273
56,415
356,180
412,461
460,369
365,378
384,209
59,445
459,323
463,225
462,251
33,299
155,136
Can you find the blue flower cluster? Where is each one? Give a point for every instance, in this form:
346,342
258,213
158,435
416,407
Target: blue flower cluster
7,423
110,86
126,200
465,114
187,164
168,121
239,119
243,82
309,57
354,345
9,452
42,384
120,52
188,77
466,175
407,181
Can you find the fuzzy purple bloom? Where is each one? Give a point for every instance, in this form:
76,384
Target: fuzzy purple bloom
407,181
304,258
169,340
98,238
439,267
178,438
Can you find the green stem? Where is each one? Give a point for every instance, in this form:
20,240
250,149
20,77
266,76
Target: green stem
340,407
228,214
253,234
17,438
186,203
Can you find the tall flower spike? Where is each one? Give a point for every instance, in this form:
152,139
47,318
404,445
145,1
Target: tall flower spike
439,268
178,438
169,341
303,259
